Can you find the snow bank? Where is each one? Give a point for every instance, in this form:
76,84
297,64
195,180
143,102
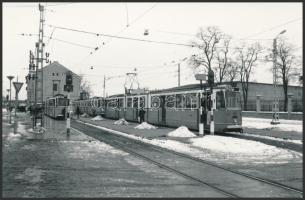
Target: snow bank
97,118
285,125
121,122
145,125
85,115
13,136
268,137
182,131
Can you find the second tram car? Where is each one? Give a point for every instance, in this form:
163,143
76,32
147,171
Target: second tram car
56,107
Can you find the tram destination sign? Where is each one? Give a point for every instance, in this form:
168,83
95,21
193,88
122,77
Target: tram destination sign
201,77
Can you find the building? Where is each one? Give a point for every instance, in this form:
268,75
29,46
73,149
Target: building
54,79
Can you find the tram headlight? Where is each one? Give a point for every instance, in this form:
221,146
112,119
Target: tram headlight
235,120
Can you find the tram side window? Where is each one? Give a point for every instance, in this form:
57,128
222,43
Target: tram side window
191,100
120,103
135,102
170,101
179,101
155,102
220,100
142,102
129,102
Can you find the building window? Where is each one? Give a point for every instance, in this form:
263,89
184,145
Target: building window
53,74
54,86
56,74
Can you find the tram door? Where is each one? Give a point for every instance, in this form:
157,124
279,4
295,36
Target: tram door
163,111
206,107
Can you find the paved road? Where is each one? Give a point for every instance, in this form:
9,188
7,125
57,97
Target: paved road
54,165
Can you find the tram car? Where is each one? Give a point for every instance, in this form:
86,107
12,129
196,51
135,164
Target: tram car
181,106
92,106
56,107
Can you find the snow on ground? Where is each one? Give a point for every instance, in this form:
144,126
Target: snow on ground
182,131
285,125
97,118
13,136
222,149
85,115
268,137
86,149
32,175
121,122
145,125
29,147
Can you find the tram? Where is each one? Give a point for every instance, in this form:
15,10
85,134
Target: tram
181,106
56,107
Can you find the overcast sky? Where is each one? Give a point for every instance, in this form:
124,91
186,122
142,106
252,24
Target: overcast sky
155,63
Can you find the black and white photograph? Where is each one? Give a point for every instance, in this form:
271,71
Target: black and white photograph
152,100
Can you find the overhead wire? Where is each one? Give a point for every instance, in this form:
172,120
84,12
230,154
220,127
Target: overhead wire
121,37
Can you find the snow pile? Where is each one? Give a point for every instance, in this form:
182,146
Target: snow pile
244,149
97,118
37,129
121,122
13,136
182,131
85,115
145,125
285,125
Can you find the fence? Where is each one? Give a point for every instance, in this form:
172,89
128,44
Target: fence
267,105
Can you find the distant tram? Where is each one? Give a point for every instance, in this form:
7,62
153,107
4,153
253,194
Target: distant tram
56,107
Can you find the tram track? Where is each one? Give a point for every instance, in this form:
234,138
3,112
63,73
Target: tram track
151,153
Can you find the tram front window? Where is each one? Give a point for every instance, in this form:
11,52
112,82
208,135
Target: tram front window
233,100
62,102
220,100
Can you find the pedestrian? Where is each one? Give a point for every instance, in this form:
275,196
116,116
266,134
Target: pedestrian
77,112
142,114
64,113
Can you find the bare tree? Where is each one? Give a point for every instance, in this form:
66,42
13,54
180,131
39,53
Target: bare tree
223,60
247,57
206,42
288,65
232,71
85,86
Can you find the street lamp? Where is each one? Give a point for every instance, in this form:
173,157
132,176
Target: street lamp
275,116
10,78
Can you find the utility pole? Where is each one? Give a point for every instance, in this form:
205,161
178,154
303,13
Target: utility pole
104,86
39,66
178,74
275,116
10,109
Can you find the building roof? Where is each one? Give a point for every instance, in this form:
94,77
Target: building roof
56,63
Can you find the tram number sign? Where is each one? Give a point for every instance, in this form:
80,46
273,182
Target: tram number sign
68,88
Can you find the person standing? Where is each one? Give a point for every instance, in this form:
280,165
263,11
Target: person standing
142,114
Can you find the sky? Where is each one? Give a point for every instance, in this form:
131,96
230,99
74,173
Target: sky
156,64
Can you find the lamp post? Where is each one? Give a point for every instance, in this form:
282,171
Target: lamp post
10,78
275,116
